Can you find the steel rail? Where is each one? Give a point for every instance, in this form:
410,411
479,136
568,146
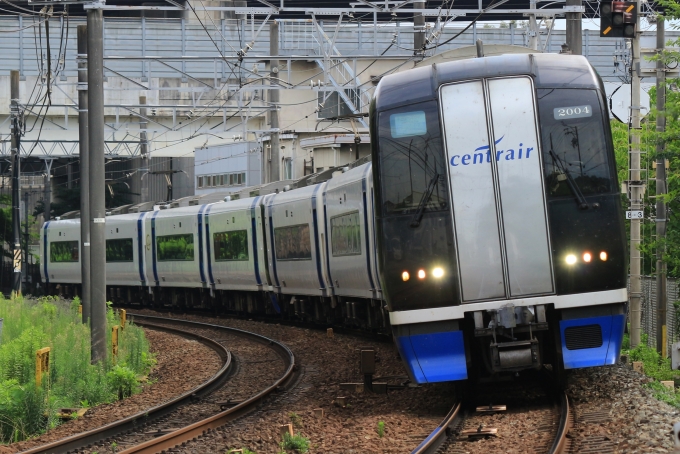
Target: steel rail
77,441
560,443
197,429
439,435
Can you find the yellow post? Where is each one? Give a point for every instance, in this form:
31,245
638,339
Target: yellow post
123,315
80,309
114,341
42,364
664,339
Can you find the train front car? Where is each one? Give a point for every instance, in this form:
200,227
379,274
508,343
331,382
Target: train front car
499,225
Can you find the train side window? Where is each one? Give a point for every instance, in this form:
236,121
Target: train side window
231,246
574,143
411,156
119,250
293,242
346,234
175,247
64,251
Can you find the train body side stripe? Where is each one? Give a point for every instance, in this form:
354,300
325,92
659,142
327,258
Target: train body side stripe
368,244
273,246
207,245
140,247
200,244
327,240
253,224
153,246
315,223
47,276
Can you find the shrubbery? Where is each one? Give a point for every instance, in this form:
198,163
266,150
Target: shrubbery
27,409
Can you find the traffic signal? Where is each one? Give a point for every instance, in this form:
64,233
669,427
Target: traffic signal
618,19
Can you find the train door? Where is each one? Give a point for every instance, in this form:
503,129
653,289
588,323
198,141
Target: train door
497,189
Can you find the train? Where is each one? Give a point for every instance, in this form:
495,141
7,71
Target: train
485,232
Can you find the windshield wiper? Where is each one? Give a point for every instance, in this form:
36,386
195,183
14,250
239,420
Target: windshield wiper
580,198
415,221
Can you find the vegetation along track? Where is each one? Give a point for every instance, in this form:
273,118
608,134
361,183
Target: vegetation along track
254,367
525,417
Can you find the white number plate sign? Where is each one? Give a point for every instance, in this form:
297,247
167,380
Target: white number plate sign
638,214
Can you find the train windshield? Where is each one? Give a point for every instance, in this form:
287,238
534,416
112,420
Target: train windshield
574,145
412,160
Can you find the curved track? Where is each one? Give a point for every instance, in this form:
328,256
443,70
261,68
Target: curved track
443,439
176,437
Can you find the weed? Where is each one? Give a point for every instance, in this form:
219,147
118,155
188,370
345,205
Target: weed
656,367
295,419
72,381
381,429
296,443
123,381
114,447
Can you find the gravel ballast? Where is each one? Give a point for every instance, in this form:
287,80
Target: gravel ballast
613,409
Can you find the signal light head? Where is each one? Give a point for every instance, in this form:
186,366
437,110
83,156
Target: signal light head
587,257
603,256
570,259
421,274
405,276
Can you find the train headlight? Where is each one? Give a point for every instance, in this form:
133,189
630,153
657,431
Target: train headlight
438,272
421,274
405,276
571,259
587,257
603,256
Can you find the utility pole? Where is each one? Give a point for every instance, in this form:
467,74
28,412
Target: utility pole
661,297
636,190
274,171
574,28
143,169
16,162
418,28
47,193
25,242
95,92
84,175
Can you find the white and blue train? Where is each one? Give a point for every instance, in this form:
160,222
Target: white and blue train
486,234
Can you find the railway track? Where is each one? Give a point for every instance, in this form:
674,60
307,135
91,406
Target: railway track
539,420
203,409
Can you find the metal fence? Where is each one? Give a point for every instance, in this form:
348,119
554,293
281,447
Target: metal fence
649,310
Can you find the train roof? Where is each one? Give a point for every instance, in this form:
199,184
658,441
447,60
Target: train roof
547,70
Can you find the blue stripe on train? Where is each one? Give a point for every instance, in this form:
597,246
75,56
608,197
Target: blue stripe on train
606,354
208,254
140,248
45,256
434,357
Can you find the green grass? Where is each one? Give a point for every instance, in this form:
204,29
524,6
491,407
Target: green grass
381,429
295,443
655,367
26,409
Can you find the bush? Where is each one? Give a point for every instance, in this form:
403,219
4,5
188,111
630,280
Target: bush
27,410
